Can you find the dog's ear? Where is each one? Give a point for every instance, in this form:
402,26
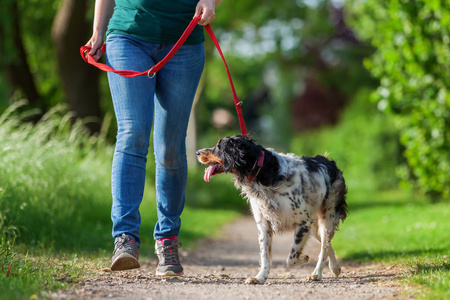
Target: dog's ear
228,162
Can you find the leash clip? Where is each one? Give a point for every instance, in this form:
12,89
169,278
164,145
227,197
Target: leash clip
148,73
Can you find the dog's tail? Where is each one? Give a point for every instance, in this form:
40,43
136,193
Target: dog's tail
341,207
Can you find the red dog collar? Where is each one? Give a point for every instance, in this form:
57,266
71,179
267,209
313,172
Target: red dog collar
259,163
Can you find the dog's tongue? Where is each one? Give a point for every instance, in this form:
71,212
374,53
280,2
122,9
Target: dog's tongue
209,172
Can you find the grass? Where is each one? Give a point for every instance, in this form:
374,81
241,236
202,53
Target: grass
401,228
32,276
394,225
433,273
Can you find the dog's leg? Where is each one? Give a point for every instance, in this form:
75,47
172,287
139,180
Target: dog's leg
265,246
333,264
332,224
301,235
326,233
324,247
337,195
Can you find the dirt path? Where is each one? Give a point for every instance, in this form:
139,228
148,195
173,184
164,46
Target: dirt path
217,270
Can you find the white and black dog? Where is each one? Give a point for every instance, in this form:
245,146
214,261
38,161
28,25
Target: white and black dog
286,193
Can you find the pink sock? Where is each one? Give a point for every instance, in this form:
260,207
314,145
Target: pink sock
170,238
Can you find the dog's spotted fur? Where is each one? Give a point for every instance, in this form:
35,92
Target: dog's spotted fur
305,195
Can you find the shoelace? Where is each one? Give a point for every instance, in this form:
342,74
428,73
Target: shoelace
170,256
122,242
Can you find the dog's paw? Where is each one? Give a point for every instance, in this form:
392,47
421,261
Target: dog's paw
336,270
303,259
314,277
253,280
297,261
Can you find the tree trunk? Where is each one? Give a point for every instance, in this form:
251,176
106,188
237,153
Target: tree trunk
17,69
80,80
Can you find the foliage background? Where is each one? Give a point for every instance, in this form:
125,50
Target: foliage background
412,63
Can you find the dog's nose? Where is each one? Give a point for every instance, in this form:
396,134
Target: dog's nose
197,153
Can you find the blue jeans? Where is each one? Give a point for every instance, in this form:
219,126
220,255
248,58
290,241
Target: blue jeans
167,98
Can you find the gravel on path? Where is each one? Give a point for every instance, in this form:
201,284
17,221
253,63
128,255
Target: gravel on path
217,269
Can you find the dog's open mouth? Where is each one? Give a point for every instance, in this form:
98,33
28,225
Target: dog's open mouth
212,170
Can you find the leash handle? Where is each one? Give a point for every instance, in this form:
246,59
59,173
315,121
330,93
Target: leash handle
84,52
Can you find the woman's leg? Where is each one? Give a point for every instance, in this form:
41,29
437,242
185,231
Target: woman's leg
176,84
133,100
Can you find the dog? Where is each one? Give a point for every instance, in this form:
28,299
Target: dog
306,195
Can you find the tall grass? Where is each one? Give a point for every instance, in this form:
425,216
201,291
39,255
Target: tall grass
49,190
53,200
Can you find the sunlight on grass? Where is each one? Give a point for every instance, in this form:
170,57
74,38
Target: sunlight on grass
25,276
433,272
398,227
393,225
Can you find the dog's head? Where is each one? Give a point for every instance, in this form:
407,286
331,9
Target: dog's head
234,154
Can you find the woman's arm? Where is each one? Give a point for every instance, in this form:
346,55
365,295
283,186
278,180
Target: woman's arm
103,12
206,8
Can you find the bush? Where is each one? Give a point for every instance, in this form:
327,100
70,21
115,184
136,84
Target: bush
412,38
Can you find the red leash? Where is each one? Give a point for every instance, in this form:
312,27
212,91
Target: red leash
84,51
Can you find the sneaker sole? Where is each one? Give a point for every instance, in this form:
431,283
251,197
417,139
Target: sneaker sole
125,261
169,273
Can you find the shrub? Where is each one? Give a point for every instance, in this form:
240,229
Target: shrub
412,38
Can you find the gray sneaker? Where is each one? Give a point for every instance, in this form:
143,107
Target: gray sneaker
169,261
125,255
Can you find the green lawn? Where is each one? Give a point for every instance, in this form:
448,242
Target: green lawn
398,227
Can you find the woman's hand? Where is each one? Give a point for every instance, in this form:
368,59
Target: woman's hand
96,42
206,8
